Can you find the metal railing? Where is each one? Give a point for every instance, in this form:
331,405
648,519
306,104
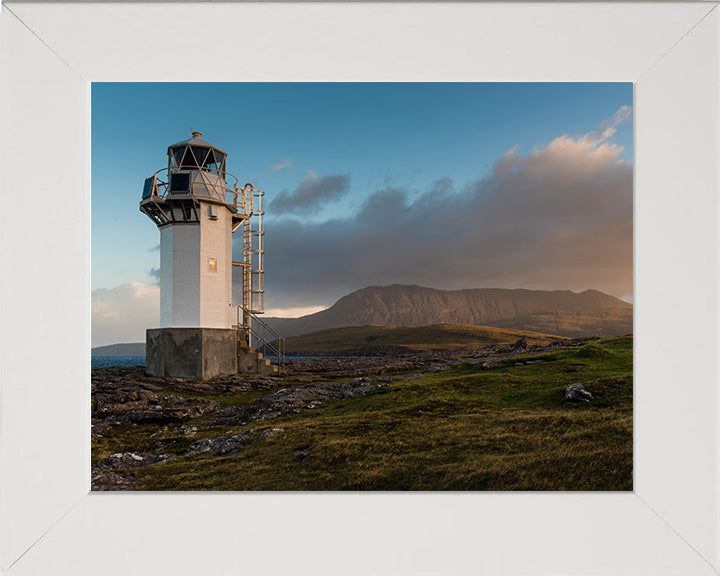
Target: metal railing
226,186
261,336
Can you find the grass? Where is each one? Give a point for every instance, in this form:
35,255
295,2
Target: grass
417,338
503,428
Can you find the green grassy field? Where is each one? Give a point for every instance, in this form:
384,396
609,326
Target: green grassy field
467,428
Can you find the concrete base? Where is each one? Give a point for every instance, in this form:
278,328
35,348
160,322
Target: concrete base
191,352
201,353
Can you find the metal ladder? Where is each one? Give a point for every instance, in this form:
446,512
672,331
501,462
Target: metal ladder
250,201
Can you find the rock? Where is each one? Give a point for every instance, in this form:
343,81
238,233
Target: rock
130,460
301,453
577,393
516,346
341,366
294,400
186,429
99,427
159,431
270,432
160,415
219,446
114,481
489,364
437,368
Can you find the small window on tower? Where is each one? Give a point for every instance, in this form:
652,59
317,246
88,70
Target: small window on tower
213,265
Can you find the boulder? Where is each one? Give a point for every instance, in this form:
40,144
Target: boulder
577,393
219,446
517,346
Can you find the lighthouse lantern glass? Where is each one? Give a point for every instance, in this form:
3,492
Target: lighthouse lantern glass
176,156
200,154
188,161
211,164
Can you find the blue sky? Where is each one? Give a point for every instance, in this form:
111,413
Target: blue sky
383,146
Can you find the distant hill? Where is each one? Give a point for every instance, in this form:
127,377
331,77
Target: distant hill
439,337
128,349
560,312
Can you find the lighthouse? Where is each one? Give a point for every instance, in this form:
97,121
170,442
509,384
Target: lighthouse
197,206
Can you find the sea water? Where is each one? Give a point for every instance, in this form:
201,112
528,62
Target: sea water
105,361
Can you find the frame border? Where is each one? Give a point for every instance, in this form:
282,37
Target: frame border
49,523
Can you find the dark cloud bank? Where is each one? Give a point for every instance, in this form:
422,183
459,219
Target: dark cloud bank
312,192
557,218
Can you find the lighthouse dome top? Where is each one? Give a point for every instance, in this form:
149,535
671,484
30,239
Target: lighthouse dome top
195,140
196,154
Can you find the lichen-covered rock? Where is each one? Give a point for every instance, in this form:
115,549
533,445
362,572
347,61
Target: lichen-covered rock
294,400
130,460
270,432
162,415
577,393
186,429
220,445
114,481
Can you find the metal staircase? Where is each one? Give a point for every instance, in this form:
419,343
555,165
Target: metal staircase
257,333
260,336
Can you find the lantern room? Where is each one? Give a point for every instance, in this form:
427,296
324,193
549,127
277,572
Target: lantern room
196,154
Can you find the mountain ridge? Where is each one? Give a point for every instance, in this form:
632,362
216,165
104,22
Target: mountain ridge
120,349
560,312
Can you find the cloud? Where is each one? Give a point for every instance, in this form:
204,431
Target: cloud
154,273
608,128
558,217
293,312
281,165
312,192
123,313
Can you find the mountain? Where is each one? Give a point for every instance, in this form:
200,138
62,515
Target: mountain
560,312
129,349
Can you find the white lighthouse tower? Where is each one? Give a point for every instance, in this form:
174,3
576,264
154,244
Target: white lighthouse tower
197,205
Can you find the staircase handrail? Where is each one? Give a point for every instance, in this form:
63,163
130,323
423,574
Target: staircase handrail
277,350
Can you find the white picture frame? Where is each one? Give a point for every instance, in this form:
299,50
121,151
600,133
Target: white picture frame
51,524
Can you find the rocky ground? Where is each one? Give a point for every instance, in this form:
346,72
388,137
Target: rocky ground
180,408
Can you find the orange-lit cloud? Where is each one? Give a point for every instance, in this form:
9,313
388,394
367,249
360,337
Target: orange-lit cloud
281,165
558,217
